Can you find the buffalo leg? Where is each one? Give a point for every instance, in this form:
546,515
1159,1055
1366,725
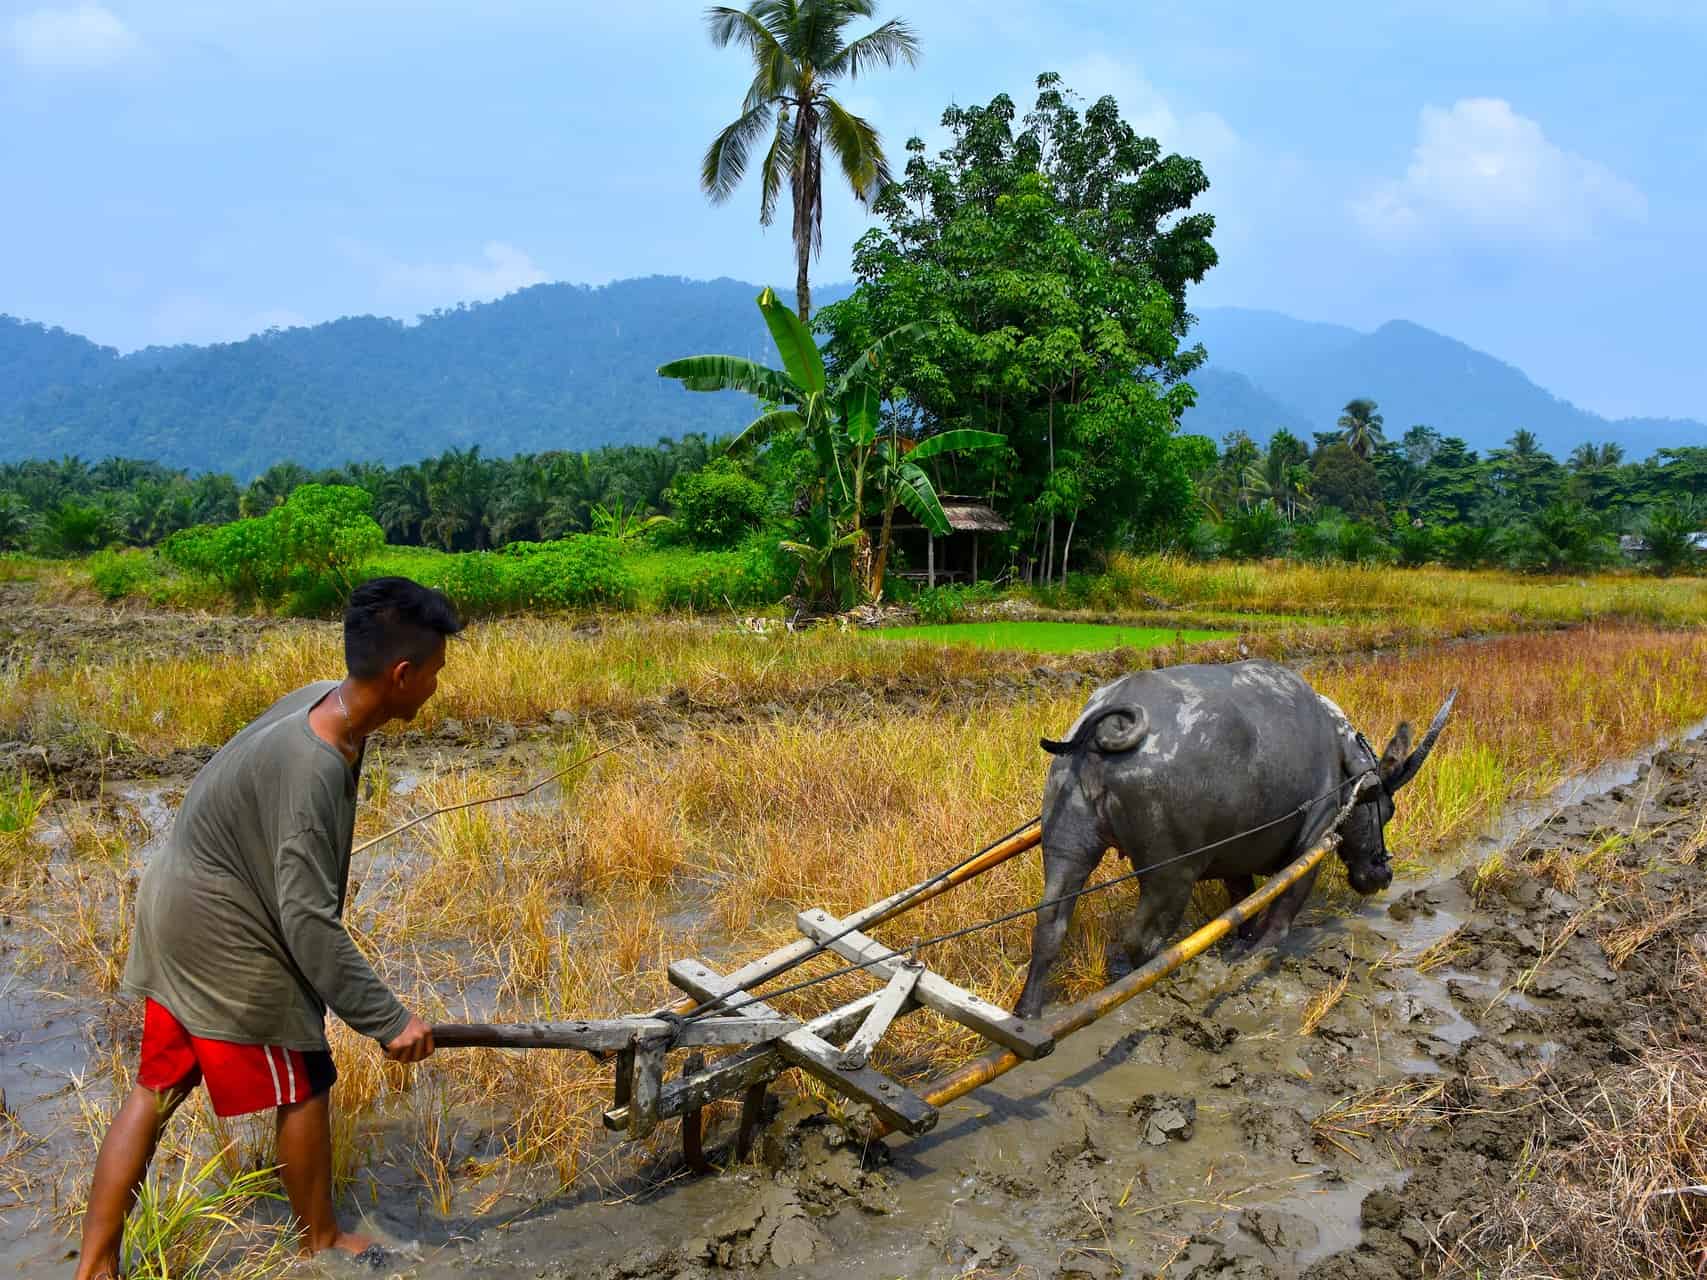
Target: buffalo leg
1275,923
1063,874
1162,901
1238,889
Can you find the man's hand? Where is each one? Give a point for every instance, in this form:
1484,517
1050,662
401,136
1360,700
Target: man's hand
413,1043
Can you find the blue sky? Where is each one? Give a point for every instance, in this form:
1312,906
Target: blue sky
1527,175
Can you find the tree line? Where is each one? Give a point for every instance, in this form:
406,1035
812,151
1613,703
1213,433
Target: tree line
1356,494
457,501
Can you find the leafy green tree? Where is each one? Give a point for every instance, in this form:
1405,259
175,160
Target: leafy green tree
1683,471
799,54
1523,477
213,499
1598,477
460,496
1361,427
1451,484
1415,543
272,487
1047,259
840,422
1346,481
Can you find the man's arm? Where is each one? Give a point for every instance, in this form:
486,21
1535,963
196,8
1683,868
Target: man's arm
326,955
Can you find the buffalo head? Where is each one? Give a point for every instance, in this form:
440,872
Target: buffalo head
1363,844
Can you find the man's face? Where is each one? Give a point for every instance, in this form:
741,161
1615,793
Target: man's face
414,682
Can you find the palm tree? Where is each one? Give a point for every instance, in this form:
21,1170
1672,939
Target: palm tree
840,421
1361,426
798,56
1589,456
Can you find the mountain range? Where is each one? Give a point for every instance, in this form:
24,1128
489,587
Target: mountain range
560,366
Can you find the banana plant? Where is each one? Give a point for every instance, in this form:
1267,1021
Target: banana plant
841,423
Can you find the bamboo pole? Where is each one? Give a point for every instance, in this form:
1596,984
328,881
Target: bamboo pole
781,961
1075,1017
469,804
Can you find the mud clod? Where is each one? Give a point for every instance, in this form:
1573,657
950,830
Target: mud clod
1164,1118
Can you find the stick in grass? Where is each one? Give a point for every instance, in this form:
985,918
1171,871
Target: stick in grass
469,804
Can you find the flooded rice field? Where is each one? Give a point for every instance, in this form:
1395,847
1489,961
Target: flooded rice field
1400,1089
1201,1131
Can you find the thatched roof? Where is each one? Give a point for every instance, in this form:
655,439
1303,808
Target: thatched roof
968,514
965,515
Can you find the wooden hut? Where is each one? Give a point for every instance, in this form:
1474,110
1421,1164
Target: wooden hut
949,559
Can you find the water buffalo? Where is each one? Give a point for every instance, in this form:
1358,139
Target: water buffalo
1168,761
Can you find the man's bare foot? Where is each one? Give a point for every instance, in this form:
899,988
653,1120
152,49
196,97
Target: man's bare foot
343,1242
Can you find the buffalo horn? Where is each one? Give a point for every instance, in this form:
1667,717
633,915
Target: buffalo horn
1108,738
1408,770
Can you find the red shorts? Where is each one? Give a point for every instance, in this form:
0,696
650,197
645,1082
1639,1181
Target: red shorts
240,1078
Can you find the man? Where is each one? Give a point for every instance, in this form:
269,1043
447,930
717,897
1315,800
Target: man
239,947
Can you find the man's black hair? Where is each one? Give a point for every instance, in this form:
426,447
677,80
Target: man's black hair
392,620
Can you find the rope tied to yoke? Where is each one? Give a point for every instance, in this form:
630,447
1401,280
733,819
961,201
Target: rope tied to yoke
722,1004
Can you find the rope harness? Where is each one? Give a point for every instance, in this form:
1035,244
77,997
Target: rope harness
722,1004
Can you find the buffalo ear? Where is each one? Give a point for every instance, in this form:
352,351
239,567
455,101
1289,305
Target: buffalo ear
1397,752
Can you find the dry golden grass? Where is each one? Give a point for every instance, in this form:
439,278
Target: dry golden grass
570,902
1619,1190
1431,596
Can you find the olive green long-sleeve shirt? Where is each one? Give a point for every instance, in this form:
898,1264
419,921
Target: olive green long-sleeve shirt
238,916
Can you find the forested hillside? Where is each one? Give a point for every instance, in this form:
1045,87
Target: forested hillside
569,367
552,367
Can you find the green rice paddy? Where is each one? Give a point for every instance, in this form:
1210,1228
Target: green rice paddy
1052,637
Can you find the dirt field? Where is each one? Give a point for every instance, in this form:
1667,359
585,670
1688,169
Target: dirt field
1439,1079
1488,1026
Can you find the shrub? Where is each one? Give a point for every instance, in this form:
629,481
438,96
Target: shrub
582,570
755,574
1205,540
321,531
1564,538
1470,546
1333,537
72,529
1668,534
1416,544
718,505
1255,534
117,574
954,602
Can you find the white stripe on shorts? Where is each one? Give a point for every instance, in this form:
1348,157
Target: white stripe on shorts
278,1098
290,1072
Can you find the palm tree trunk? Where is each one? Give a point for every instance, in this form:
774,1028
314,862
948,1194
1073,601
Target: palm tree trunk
1067,550
802,289
808,193
882,553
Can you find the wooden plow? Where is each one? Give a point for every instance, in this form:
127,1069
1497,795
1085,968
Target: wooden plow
760,1043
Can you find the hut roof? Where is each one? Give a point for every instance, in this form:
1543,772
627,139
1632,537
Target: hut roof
965,515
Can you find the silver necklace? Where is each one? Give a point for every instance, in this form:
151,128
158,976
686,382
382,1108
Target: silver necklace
349,729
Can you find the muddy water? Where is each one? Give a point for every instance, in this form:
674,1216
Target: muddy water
1178,1134
1175,1134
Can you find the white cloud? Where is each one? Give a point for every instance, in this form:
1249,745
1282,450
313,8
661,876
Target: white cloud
1481,170
87,37
1204,135
503,269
